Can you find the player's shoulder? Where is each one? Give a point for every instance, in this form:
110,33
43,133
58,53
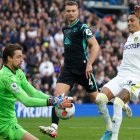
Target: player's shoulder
20,73
5,75
76,24
4,71
137,33
83,26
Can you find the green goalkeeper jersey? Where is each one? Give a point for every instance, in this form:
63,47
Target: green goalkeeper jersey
13,87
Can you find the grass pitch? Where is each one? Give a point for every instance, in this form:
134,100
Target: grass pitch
82,128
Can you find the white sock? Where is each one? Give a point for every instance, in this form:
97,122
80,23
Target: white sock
55,126
105,115
117,117
101,101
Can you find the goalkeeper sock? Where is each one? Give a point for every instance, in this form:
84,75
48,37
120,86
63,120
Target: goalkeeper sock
55,126
101,101
117,117
55,119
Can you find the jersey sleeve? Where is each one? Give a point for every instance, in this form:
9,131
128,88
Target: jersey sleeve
30,89
12,86
87,33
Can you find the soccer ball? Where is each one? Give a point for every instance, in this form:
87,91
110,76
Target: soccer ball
65,113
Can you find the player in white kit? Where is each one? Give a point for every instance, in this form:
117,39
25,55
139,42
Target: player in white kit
126,85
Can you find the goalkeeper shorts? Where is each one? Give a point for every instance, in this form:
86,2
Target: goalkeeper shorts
14,132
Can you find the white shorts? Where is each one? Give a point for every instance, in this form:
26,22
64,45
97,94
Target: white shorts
119,82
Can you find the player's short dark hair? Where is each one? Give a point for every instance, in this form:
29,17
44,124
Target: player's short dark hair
133,13
72,2
10,51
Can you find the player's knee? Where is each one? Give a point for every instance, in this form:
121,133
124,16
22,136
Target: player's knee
119,101
101,98
124,95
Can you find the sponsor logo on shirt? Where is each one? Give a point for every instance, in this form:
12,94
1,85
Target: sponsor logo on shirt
67,31
132,46
75,29
67,41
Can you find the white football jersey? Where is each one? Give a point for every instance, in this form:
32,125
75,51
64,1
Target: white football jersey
131,56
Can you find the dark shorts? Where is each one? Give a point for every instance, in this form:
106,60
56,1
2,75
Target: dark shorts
71,78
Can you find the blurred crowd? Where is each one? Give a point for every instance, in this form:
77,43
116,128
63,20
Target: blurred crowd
36,25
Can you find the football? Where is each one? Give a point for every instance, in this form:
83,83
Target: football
65,113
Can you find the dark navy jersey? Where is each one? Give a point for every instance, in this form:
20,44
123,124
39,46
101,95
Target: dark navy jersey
75,43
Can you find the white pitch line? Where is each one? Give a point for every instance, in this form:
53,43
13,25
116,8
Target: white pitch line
134,128
84,127
93,127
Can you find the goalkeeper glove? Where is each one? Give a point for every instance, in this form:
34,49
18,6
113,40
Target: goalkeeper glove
60,101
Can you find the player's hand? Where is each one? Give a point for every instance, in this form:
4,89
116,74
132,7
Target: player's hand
67,102
137,11
88,70
60,101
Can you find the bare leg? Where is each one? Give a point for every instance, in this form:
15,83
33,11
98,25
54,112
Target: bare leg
29,136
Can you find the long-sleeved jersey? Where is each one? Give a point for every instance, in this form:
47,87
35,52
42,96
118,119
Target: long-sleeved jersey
13,87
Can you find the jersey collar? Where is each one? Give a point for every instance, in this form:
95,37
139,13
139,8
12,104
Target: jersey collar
137,32
74,23
6,67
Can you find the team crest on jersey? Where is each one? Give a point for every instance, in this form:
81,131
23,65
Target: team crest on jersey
67,31
75,29
88,32
136,39
67,41
15,87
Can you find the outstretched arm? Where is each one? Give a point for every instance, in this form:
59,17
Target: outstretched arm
16,90
30,90
33,92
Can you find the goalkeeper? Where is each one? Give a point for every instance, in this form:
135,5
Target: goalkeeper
13,87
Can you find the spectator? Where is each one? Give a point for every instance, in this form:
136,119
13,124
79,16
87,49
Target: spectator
46,67
37,26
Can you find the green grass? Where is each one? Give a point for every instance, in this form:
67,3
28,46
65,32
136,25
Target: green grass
82,128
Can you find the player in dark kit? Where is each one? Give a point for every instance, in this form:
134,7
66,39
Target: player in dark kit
76,56
77,63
